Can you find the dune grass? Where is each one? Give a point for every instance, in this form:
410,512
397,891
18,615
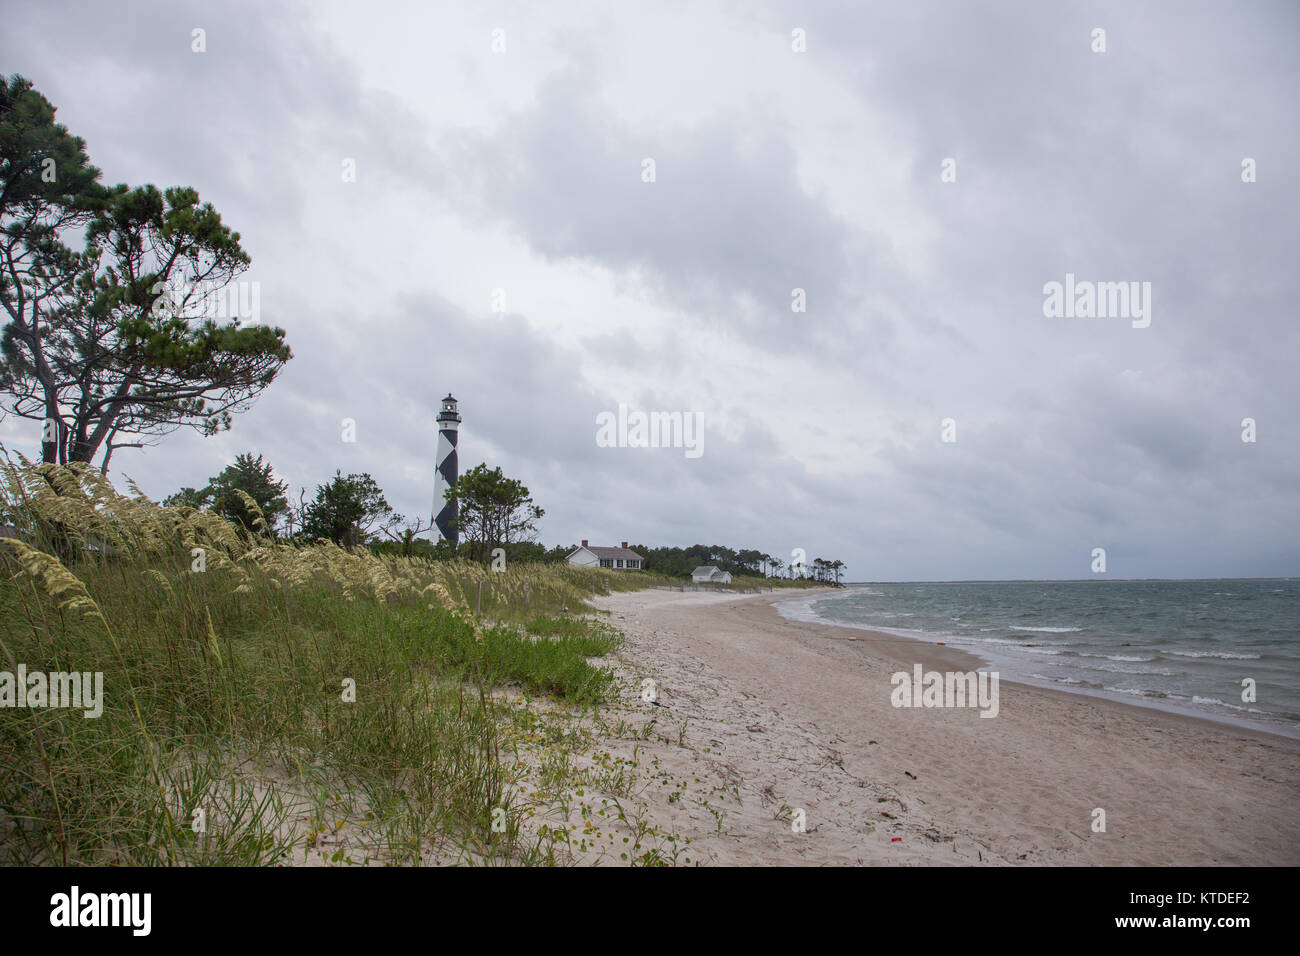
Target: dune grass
260,698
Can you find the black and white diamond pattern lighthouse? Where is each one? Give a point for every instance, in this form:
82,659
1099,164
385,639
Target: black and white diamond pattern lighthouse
444,512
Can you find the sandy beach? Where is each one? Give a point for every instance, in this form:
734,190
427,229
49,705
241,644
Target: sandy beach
775,717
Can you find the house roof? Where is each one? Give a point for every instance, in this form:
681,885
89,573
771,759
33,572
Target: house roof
624,553
708,568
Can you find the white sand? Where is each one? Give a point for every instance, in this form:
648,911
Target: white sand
785,713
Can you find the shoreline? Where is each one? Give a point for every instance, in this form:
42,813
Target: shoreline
796,714
948,657
881,638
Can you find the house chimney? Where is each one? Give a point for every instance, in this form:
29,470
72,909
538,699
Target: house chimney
624,544
584,542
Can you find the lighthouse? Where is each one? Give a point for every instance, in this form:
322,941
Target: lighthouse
444,512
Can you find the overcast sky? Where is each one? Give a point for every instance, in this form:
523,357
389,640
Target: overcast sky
522,170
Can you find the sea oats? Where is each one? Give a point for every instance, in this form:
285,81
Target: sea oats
52,577
259,522
160,578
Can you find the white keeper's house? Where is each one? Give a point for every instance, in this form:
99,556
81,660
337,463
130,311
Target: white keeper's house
708,574
621,558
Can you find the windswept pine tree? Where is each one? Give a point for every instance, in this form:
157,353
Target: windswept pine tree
113,343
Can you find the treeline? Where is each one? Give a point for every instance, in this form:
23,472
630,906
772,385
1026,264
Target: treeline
495,512
678,562
351,510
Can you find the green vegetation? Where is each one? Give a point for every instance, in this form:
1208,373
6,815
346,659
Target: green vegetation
748,564
251,476
346,510
492,511
116,336
288,694
497,517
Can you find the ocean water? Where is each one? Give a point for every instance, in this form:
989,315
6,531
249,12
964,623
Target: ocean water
1183,646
